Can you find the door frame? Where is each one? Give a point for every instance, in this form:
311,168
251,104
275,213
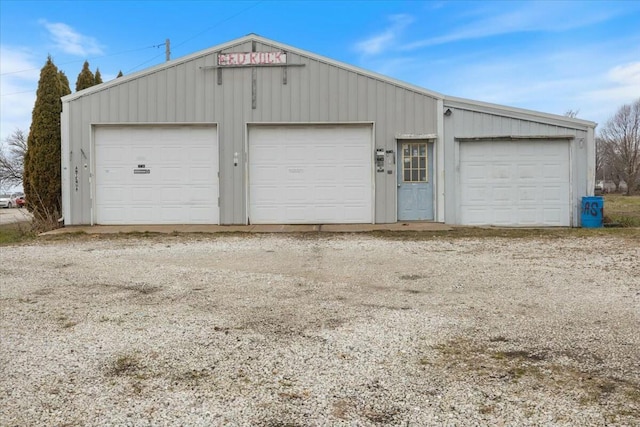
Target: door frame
92,158
429,139
568,139
246,160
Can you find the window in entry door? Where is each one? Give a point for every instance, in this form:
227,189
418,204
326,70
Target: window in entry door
414,162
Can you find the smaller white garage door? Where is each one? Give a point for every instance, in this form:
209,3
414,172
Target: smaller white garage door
156,175
310,174
515,183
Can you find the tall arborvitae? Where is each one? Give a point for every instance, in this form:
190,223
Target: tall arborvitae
119,74
41,179
85,78
64,81
98,77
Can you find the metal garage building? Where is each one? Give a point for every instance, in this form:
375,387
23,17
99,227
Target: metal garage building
254,131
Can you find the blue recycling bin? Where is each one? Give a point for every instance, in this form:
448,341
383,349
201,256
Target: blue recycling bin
592,212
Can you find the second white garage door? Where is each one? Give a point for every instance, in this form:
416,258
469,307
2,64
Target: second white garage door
156,174
515,183
310,174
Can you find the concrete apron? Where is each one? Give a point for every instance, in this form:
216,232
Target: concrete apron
264,228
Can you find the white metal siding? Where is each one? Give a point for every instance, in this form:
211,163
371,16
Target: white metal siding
310,174
515,183
181,186
318,91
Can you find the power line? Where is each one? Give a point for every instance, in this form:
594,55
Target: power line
229,18
82,60
201,32
17,93
221,22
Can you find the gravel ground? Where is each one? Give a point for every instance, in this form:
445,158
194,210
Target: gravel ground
352,330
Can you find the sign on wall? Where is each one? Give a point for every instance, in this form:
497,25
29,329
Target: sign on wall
252,58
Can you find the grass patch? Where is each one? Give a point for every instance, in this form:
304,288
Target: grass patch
16,232
125,364
550,233
615,397
623,210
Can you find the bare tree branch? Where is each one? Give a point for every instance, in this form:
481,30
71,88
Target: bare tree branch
619,146
12,151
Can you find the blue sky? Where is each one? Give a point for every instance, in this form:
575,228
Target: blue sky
548,56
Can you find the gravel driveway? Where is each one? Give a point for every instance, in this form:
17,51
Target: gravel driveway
353,330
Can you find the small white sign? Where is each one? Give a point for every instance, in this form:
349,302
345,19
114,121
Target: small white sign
252,58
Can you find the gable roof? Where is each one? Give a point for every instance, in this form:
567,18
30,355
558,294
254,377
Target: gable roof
448,100
238,41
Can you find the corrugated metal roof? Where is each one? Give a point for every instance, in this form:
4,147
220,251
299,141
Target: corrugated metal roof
449,101
235,42
517,113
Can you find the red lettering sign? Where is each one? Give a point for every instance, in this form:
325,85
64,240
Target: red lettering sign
252,58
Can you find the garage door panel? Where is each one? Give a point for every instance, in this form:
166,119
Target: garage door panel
298,195
473,193
554,171
113,214
527,195
140,215
502,195
171,195
501,172
356,194
113,195
267,175
139,194
201,215
528,172
553,193
355,173
170,175
200,176
203,197
324,194
181,185
502,215
516,183
307,174
110,154
296,154
526,215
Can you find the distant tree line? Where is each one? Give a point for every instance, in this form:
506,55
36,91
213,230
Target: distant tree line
618,148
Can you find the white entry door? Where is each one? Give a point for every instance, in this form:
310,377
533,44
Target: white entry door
515,183
156,174
310,174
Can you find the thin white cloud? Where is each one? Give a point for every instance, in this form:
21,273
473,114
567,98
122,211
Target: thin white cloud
593,78
619,85
18,83
526,17
627,75
70,41
380,42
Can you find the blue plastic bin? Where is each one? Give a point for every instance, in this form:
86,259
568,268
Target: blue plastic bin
592,212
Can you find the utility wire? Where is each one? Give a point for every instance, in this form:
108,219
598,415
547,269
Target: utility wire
138,49
201,32
220,22
17,93
82,60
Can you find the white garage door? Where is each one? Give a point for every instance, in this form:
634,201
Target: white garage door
310,174
156,175
515,183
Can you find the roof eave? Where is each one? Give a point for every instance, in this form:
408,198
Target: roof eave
240,40
519,113
156,68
